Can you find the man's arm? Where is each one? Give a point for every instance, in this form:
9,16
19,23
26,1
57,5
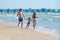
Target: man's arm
18,14
23,15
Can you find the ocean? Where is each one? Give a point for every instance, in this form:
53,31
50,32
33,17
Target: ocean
48,23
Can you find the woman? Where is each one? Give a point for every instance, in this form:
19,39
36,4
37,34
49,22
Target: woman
34,16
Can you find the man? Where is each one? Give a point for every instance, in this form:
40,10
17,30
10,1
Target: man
20,16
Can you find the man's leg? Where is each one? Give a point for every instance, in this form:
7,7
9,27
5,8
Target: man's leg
18,24
22,24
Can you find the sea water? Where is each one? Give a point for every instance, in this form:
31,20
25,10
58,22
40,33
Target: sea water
48,23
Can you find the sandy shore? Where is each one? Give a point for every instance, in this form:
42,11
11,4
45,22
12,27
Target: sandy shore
11,32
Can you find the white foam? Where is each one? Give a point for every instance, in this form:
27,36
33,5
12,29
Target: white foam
10,15
56,16
54,13
1,20
49,32
51,20
42,13
51,13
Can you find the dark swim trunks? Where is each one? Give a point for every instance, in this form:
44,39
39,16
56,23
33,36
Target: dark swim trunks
20,19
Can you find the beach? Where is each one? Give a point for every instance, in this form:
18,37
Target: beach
12,32
44,15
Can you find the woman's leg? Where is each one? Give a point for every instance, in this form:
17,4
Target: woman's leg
34,24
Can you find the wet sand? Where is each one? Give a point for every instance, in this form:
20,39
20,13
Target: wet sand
12,32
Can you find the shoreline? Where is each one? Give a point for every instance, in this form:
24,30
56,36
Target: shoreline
11,32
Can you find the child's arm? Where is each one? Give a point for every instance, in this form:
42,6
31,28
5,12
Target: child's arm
26,18
37,17
31,19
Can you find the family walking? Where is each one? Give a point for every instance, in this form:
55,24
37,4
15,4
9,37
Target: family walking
20,16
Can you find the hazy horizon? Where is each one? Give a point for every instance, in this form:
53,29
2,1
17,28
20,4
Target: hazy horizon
25,4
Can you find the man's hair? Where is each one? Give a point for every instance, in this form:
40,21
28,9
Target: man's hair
20,9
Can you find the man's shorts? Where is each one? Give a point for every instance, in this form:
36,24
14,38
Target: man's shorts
20,19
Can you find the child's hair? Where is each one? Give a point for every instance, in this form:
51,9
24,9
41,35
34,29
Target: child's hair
29,18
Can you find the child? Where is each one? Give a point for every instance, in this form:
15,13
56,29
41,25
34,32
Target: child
28,23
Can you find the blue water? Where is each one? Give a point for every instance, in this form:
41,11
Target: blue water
45,20
49,20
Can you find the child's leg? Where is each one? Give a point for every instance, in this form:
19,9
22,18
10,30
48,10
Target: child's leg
28,25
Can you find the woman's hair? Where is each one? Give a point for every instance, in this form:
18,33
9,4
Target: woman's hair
34,13
29,18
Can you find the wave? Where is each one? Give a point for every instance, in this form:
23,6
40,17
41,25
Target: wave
44,30
48,31
9,15
51,13
50,20
1,20
39,28
56,16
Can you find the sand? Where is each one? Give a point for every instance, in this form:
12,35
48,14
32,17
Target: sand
12,32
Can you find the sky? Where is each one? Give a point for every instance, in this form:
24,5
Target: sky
34,4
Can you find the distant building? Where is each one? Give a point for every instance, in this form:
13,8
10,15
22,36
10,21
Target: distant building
38,10
48,10
1,10
43,10
58,10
